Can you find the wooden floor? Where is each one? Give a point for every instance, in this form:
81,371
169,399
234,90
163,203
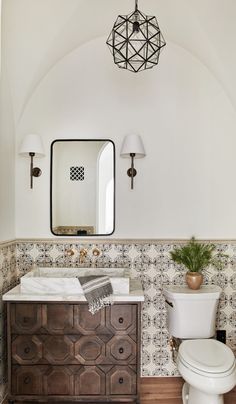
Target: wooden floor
166,390
161,390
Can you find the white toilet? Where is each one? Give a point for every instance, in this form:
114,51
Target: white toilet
207,365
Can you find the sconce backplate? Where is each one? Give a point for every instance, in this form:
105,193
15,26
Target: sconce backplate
36,172
131,172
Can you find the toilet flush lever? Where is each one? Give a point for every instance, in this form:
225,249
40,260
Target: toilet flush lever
169,303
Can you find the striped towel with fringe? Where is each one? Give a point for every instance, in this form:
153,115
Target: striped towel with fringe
97,290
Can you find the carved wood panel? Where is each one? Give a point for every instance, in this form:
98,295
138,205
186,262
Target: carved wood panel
27,349
121,318
27,380
90,380
58,318
121,380
25,318
90,350
62,351
43,349
58,380
72,349
87,323
58,349
121,348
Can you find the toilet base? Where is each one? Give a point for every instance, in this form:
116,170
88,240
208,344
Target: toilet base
190,395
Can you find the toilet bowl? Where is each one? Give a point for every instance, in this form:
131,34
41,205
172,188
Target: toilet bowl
209,369
207,366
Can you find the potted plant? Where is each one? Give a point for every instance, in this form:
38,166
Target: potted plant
196,257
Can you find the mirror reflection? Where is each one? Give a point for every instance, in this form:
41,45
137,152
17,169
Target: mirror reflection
82,187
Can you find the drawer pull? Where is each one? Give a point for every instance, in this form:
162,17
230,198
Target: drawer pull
27,380
26,319
121,350
121,320
27,350
121,380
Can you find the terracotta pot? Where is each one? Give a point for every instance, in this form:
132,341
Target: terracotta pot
194,280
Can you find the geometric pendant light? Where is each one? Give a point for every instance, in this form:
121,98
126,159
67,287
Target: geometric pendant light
136,41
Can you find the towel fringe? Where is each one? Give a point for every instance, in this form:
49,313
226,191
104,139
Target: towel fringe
98,292
100,302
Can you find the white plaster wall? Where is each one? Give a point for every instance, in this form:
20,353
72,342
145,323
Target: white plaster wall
41,32
0,34
7,149
184,186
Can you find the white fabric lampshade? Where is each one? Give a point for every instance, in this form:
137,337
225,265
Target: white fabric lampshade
132,144
32,143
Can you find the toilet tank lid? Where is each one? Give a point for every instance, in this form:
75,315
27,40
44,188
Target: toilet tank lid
184,293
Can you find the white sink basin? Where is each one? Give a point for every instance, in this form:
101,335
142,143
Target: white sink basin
65,280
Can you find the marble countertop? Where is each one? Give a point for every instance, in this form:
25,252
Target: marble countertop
135,295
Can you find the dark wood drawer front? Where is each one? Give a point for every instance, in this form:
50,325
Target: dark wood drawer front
58,350
26,318
121,318
121,380
42,380
42,349
27,349
72,319
58,380
58,318
88,324
90,380
72,349
61,352
90,350
42,318
71,381
121,349
27,380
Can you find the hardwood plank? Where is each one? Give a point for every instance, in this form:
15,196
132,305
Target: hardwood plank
160,388
230,398
168,390
163,401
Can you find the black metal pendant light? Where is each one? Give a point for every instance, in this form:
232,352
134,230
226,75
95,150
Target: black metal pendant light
136,41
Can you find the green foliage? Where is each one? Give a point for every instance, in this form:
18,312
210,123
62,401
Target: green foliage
197,256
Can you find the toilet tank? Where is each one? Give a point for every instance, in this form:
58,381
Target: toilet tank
191,313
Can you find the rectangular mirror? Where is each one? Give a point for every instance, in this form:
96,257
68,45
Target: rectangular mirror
82,189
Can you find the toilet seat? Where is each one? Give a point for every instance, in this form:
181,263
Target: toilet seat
207,357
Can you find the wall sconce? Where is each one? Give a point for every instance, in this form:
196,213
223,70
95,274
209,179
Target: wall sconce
32,146
132,147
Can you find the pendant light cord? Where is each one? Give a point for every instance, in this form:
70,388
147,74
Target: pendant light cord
136,5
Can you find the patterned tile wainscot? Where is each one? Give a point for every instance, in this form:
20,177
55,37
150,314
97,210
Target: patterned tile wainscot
148,260
8,279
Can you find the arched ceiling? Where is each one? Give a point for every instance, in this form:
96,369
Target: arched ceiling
36,34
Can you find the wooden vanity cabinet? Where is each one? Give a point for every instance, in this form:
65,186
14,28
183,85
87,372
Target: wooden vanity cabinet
60,352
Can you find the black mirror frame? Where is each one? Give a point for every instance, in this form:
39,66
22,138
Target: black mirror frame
114,176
